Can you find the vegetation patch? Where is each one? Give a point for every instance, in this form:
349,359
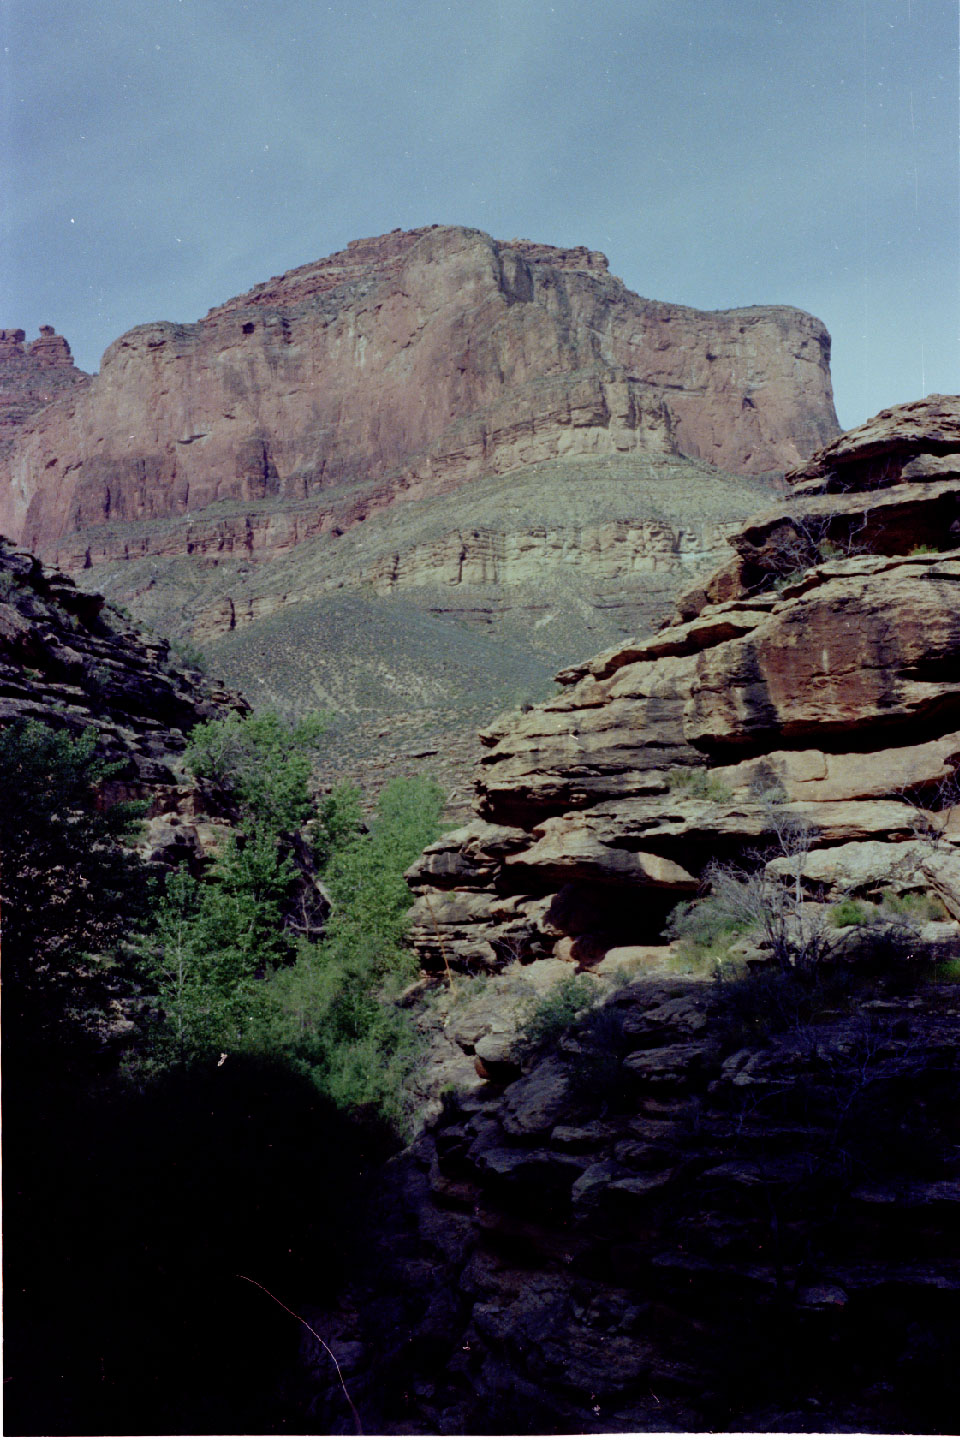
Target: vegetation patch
851,912
700,784
554,1012
917,905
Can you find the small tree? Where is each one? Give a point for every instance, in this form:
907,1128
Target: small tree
266,763
69,886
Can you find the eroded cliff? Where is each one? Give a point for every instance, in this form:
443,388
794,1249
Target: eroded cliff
724,1198
820,665
403,366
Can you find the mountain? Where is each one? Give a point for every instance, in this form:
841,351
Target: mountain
499,437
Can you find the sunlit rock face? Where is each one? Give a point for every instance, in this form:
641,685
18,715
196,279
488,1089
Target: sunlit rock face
32,374
820,667
402,367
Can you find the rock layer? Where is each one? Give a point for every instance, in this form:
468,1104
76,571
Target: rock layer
814,681
32,376
402,367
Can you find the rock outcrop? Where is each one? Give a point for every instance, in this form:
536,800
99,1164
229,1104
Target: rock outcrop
710,1209
70,661
815,677
400,368
31,376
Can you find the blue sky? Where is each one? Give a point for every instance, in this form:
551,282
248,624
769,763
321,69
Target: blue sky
160,156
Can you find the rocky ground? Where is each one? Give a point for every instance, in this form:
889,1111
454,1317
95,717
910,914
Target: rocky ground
711,1207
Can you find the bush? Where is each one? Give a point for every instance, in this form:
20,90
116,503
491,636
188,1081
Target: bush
700,784
850,912
555,1011
337,1019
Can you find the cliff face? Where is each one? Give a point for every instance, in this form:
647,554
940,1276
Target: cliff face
31,376
70,661
820,665
702,1205
400,368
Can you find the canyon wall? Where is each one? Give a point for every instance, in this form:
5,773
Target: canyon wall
402,367
818,667
31,376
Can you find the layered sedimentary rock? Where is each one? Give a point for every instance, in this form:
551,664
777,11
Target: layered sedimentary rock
69,661
814,680
31,376
402,367
428,434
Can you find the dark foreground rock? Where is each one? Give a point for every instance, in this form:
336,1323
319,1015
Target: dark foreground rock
669,1223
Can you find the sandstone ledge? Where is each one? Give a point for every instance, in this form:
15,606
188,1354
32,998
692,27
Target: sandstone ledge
823,694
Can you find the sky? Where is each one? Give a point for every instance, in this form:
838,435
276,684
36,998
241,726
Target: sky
160,156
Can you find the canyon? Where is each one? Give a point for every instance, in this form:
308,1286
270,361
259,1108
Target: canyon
719,1192
493,454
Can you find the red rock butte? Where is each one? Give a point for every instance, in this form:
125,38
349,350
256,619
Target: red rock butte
31,376
401,367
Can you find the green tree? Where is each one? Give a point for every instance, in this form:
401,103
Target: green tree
212,946
69,887
266,763
338,1021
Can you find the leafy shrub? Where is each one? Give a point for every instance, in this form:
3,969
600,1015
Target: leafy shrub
556,1010
266,763
850,912
231,978
334,1001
